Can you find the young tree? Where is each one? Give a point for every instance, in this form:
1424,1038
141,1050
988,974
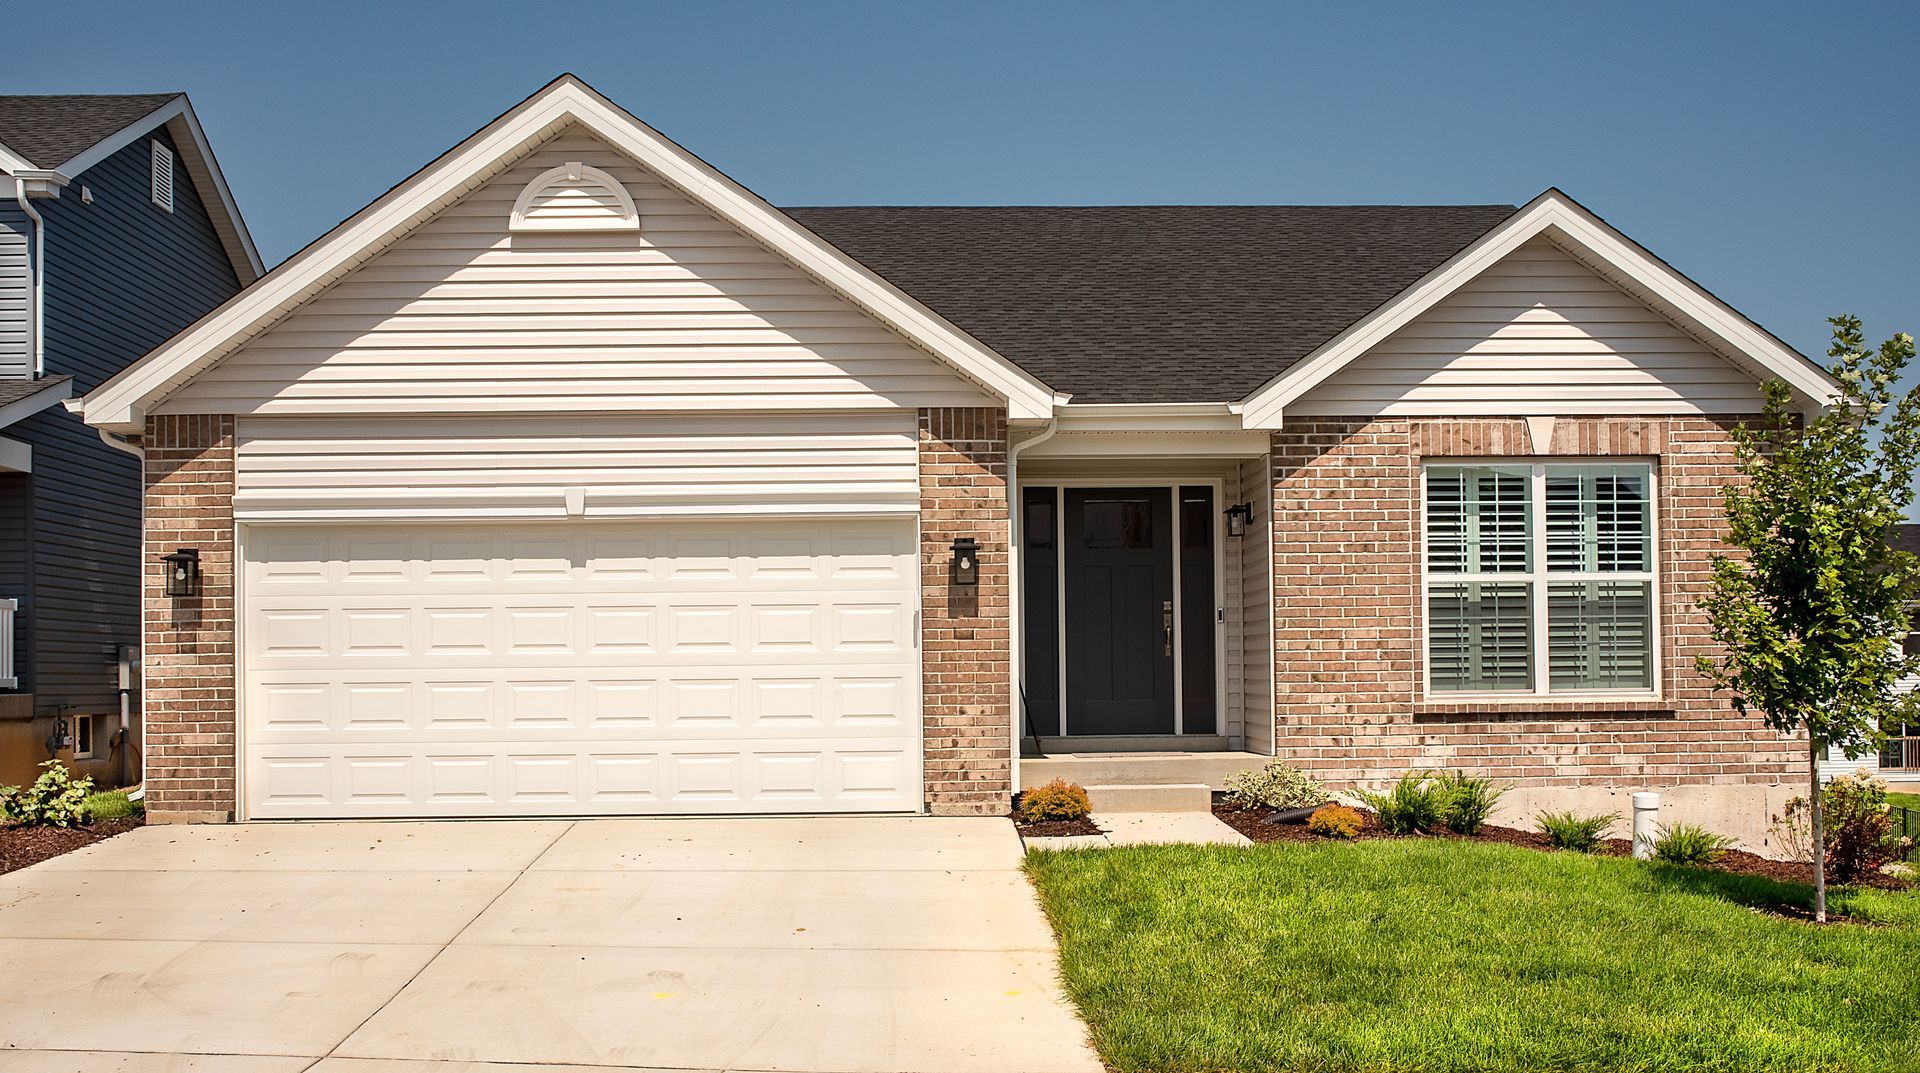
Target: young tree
1812,616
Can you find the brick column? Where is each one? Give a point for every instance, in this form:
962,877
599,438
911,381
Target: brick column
965,636
189,703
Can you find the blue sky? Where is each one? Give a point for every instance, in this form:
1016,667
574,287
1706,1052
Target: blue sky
1768,150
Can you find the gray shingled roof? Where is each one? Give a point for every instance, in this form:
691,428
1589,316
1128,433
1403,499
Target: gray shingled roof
51,130
1153,303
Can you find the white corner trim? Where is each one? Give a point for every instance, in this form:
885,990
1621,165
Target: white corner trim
525,219
120,403
1569,224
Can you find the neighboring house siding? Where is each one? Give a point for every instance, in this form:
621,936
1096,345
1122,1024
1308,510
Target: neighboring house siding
688,464
1347,531
16,294
122,277
1537,333
464,315
16,535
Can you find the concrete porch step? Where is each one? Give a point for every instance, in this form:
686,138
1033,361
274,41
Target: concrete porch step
1138,769
1152,797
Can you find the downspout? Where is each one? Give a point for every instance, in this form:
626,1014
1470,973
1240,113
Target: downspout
1016,647
140,640
37,340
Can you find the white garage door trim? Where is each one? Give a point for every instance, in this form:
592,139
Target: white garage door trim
768,586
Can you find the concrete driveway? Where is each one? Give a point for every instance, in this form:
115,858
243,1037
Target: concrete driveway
890,945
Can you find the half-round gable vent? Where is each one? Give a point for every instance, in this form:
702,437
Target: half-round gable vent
574,197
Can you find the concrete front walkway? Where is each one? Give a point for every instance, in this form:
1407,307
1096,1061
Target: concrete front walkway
890,945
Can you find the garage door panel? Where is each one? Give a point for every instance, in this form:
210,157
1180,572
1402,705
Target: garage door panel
587,778
581,668
372,632
861,700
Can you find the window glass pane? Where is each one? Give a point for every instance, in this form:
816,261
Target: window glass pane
1599,635
1477,519
1197,638
1119,522
1598,518
1480,637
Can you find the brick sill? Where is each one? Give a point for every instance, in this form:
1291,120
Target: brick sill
1534,710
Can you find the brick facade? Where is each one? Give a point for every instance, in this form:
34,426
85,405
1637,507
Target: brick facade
189,642
1347,552
965,636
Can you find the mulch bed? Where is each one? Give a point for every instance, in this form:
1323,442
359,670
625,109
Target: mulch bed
1055,828
22,846
1738,861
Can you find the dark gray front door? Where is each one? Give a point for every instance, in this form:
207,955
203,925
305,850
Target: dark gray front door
1119,614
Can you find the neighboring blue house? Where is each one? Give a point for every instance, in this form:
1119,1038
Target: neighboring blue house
116,231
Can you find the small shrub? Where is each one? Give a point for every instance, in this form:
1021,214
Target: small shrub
1057,800
1466,801
1570,830
1689,843
1792,828
1277,786
1410,807
113,805
1859,827
56,799
1334,821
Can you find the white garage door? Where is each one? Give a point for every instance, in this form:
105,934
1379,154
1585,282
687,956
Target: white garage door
580,668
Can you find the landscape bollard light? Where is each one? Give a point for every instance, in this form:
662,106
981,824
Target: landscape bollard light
1646,816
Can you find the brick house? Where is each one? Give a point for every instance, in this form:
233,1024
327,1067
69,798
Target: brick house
570,477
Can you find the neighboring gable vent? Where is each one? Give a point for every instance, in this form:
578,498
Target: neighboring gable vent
574,197
162,175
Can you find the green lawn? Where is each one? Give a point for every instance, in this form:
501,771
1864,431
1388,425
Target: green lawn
1909,800
1438,956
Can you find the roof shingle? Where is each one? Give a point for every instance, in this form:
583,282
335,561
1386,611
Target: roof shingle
1153,303
51,130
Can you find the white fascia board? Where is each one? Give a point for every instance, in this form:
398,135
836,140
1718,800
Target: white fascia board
1071,442
11,161
197,155
57,390
1570,225
120,403
1150,417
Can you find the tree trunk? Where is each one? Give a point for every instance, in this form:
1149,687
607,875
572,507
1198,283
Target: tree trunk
1819,832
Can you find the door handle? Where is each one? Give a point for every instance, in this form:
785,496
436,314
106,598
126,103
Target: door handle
1166,627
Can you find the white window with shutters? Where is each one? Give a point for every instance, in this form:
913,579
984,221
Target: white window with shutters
162,175
1539,580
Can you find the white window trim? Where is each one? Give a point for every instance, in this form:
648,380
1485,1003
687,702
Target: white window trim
91,737
1537,578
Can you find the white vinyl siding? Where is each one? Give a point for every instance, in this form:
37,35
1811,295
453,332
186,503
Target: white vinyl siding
1537,333
1539,578
838,463
1253,669
465,315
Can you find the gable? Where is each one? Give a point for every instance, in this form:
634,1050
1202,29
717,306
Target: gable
1537,332
467,314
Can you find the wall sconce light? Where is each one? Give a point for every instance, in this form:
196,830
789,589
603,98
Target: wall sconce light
183,572
1238,517
966,562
